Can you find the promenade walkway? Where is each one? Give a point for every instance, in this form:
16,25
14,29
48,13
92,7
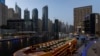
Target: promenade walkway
92,48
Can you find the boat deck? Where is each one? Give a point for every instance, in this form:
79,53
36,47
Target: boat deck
51,48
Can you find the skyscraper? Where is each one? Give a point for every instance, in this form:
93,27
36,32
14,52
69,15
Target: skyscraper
35,19
11,13
79,14
39,25
56,28
26,14
91,24
27,19
18,10
50,24
2,1
45,18
3,14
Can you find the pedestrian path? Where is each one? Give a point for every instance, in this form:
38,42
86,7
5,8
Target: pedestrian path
94,50
82,51
79,51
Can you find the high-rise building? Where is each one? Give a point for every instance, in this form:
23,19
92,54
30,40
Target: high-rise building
35,19
60,26
3,14
67,28
10,13
91,24
27,19
16,16
79,14
56,28
39,25
71,29
18,10
50,24
63,27
26,14
45,18
2,1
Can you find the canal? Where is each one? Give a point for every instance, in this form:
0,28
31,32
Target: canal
9,46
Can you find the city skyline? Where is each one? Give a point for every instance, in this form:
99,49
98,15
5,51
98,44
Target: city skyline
62,10
49,28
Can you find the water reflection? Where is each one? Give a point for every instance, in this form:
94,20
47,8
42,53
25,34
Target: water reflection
9,44
0,44
0,37
8,47
21,42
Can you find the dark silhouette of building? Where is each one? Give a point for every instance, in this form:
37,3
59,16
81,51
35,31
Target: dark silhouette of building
71,29
35,19
3,13
56,29
18,11
26,14
27,18
39,25
91,23
79,15
45,18
19,25
56,26
50,25
2,1
10,13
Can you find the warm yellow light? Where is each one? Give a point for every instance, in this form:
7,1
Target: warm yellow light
69,43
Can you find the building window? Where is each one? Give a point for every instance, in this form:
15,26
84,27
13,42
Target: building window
96,19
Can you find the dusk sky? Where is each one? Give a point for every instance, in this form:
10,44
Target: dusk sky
60,9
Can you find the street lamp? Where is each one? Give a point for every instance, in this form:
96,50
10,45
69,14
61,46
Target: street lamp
83,32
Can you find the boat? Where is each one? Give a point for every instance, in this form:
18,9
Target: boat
61,47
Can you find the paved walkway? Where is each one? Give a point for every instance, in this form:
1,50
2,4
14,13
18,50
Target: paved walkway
85,50
94,50
91,49
79,51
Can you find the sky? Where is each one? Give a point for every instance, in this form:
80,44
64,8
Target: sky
59,9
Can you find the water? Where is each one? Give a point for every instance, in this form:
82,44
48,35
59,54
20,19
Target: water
9,46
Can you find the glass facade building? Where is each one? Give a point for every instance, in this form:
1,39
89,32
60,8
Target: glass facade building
26,14
18,10
79,14
45,18
35,19
2,1
27,18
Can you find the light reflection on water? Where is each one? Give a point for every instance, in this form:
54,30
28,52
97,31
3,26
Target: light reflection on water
27,41
0,37
9,44
0,44
8,47
21,42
